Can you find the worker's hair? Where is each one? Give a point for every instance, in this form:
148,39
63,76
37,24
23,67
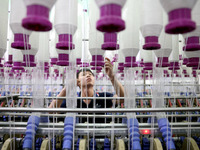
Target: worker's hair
83,70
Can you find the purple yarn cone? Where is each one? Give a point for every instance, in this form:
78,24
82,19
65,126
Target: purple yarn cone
37,18
110,41
162,62
29,61
148,66
180,21
21,41
63,60
110,19
174,66
17,66
193,62
97,60
54,61
130,62
192,44
151,43
65,42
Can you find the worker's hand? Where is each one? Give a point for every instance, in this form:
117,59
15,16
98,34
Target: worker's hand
109,68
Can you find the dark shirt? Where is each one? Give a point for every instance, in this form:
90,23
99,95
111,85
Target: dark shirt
100,103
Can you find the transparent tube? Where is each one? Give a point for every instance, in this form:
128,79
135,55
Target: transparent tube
38,86
158,91
129,87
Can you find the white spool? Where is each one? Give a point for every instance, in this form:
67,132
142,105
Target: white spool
181,44
95,37
18,12
1,55
130,52
77,52
43,52
165,39
3,26
86,56
129,38
52,44
192,54
193,58
34,41
121,57
195,16
166,42
66,16
9,48
29,52
151,19
148,56
17,55
96,52
174,57
170,5
9,52
46,3
62,52
53,38
165,52
106,2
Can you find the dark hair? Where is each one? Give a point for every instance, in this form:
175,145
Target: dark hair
83,70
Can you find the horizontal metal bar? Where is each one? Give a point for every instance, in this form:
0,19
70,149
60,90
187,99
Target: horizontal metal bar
103,98
98,110
4,97
97,116
30,84
100,125
58,98
98,132
106,84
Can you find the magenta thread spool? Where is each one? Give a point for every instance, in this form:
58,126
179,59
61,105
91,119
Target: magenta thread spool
179,16
151,43
29,60
54,61
130,62
63,59
174,66
37,16
65,42
162,62
110,16
110,41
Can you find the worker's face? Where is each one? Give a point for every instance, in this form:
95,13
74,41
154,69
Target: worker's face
85,79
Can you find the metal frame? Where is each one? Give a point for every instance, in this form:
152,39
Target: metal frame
99,110
98,116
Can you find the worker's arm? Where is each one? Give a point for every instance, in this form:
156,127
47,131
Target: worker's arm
117,101
116,84
59,102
